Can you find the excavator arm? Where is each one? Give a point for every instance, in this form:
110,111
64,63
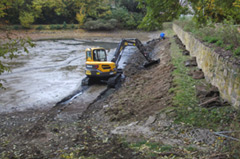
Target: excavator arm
139,45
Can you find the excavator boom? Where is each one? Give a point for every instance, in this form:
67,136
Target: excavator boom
139,45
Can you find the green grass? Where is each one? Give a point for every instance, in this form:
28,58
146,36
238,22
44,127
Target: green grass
236,52
40,27
223,35
229,47
210,39
185,95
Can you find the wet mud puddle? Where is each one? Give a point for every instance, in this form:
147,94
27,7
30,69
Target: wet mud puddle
50,74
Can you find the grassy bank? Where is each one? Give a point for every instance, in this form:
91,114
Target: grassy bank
225,36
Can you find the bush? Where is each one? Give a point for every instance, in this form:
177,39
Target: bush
58,27
219,43
72,26
120,14
229,47
64,25
55,27
26,19
52,27
100,25
130,23
113,22
16,27
125,19
236,52
40,27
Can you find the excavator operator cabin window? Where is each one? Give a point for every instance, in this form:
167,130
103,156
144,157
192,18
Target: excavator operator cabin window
99,55
89,56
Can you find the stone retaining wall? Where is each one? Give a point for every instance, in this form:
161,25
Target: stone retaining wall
218,71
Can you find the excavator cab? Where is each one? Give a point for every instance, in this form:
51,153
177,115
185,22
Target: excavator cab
97,65
96,54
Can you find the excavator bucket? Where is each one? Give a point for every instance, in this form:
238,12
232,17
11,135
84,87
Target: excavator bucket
153,62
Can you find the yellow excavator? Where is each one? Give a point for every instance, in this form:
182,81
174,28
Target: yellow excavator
99,69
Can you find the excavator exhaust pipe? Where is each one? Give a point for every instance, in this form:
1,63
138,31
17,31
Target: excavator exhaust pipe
153,62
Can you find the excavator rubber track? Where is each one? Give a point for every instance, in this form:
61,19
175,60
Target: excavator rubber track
86,81
113,81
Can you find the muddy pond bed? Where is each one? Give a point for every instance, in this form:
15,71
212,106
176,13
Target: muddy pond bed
51,71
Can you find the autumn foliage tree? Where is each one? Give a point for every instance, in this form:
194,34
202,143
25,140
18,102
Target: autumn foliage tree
27,12
81,16
215,10
159,11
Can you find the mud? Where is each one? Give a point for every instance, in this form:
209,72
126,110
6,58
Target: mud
51,71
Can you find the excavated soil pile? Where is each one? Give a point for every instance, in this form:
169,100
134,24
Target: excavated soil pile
145,91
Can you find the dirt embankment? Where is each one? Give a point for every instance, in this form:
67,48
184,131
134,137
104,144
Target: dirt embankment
145,91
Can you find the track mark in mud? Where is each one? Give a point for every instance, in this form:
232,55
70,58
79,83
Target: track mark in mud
72,96
37,130
38,127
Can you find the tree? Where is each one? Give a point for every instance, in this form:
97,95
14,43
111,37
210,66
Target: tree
237,4
159,11
26,19
130,5
13,12
215,10
81,16
4,5
95,8
51,11
10,48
